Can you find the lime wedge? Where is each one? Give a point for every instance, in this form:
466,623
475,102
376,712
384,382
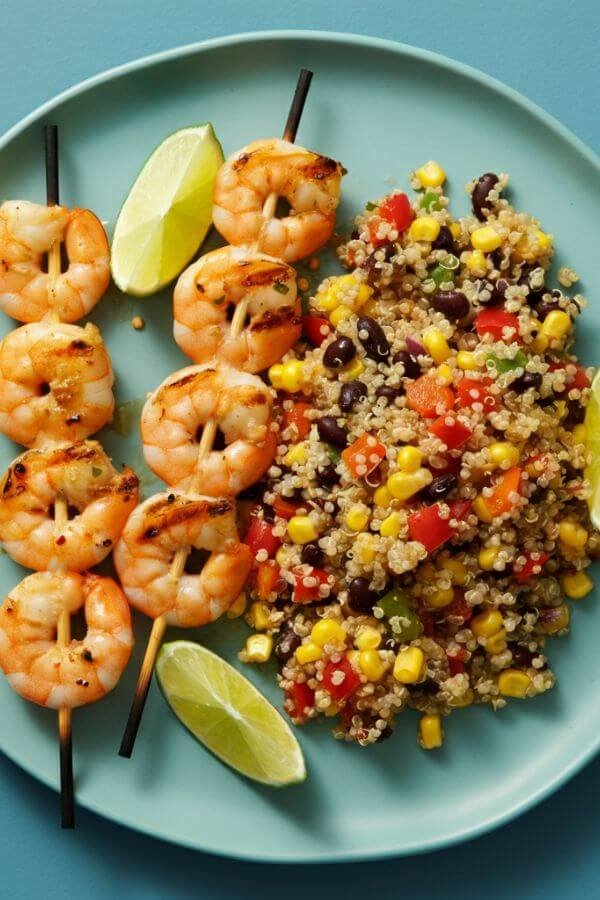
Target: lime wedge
229,715
167,212
592,428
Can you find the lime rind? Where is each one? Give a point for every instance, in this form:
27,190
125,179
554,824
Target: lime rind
228,715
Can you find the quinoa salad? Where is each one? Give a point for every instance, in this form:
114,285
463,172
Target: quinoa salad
424,528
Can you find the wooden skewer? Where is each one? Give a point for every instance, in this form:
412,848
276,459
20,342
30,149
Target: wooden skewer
205,446
63,631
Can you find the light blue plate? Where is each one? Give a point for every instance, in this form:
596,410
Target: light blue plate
382,109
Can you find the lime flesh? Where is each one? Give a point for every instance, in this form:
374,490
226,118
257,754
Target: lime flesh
592,428
168,211
229,715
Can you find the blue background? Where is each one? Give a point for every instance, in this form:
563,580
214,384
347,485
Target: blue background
546,50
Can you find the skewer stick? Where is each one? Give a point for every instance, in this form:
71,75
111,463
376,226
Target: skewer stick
63,631
205,446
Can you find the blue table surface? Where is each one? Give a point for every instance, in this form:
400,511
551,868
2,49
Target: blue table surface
548,51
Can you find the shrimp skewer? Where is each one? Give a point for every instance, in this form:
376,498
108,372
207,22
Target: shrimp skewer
207,439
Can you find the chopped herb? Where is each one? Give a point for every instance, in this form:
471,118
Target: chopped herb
281,288
304,303
334,454
96,472
370,206
519,361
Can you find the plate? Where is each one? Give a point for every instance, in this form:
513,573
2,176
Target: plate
381,108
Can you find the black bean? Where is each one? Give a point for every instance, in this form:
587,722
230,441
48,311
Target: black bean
350,393
576,413
523,657
339,353
479,197
286,644
388,392
441,486
544,307
498,292
360,595
330,432
391,644
327,476
527,380
452,304
375,343
312,555
412,369
444,241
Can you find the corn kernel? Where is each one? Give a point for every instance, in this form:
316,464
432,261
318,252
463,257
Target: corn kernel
403,485
390,527
557,324
409,458
544,240
441,598
408,667
307,653
572,534
369,308
258,616
558,622
487,623
357,518
365,549
579,434
353,369
431,735
371,665
466,700
259,648
458,571
503,454
238,607
332,710
293,375
540,343
282,557
275,376
444,374
486,239
487,557
327,631
577,585
329,299
476,263
301,529
368,638
496,643
340,313
296,454
353,657
481,509
456,230
431,174
514,683
326,300
425,228
466,361
436,345
382,496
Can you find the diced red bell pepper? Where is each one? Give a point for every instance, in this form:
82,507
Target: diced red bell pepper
532,561
579,380
397,209
268,580
284,508
428,622
316,329
301,698
297,416
363,455
499,502
496,321
304,593
457,660
340,679
476,390
260,537
427,526
459,608
425,394
451,466
450,431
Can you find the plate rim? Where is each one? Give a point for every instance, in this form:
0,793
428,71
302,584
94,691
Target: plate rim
388,850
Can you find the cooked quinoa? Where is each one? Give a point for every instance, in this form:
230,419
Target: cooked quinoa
424,526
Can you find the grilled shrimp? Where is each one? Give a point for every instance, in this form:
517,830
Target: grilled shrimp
55,383
77,673
27,232
154,533
238,402
310,183
85,477
211,286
